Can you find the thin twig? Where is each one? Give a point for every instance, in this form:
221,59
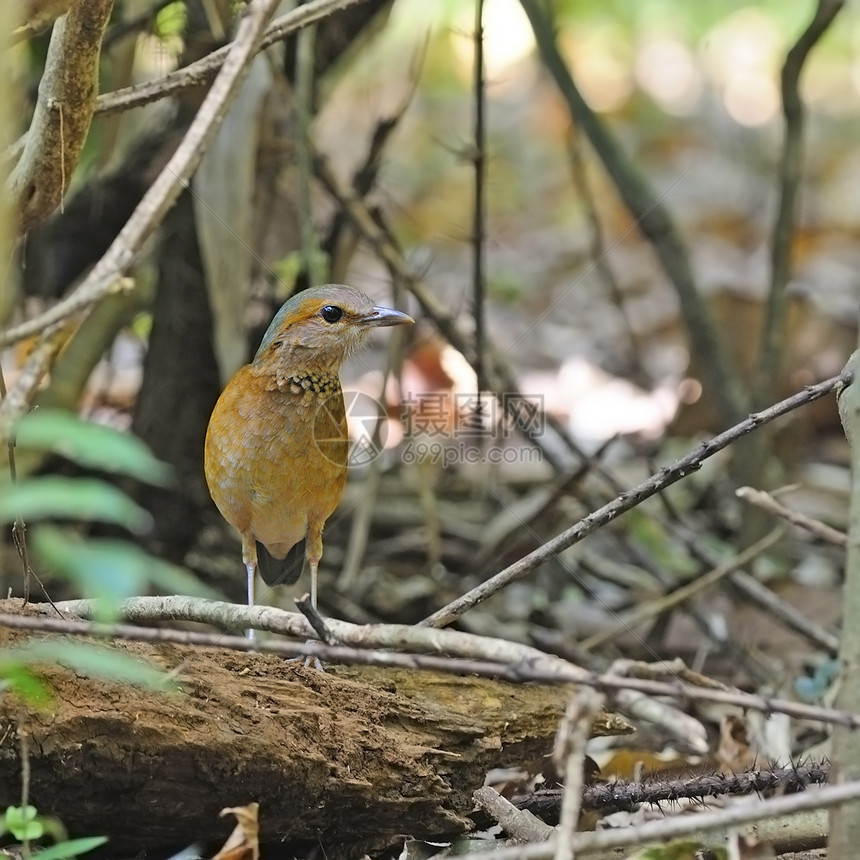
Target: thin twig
19,527
667,476
479,161
304,109
24,746
768,503
652,608
340,240
316,620
18,398
569,756
600,257
477,655
495,538
204,69
793,618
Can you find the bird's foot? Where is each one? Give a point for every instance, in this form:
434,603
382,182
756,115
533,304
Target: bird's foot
307,662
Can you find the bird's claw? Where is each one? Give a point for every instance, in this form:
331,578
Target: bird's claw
307,662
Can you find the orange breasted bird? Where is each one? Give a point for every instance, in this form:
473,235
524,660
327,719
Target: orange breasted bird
276,445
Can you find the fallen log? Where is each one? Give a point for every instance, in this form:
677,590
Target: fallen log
349,758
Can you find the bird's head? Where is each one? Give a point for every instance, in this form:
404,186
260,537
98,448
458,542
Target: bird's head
321,327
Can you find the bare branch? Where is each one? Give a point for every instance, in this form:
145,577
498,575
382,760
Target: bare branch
768,503
202,71
519,824
667,476
479,227
64,110
159,198
790,167
683,825
479,655
569,755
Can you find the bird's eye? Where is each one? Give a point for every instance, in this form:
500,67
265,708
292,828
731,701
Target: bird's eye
331,313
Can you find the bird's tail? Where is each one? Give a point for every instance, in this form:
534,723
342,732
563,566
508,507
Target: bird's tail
281,571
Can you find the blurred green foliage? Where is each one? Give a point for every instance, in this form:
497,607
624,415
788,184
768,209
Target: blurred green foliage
107,571
26,824
91,445
86,659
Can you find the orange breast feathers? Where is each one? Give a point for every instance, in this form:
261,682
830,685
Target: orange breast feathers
275,456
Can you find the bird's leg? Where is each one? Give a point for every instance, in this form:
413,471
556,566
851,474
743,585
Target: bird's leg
313,566
252,570
249,556
313,553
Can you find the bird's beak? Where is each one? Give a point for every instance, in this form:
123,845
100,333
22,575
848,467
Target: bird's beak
383,317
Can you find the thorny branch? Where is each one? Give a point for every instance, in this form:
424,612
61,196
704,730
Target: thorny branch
620,795
682,825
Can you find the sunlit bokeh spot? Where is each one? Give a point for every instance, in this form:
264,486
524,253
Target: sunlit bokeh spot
599,56
507,37
743,56
667,71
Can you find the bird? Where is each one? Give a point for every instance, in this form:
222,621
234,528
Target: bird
275,455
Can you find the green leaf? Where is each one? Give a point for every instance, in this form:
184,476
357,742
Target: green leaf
90,444
89,659
71,498
71,848
23,681
22,822
110,570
